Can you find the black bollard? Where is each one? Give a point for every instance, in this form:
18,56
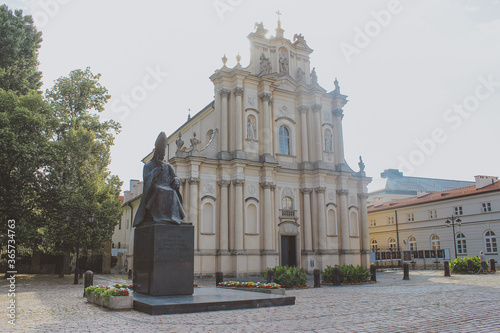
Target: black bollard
492,265
446,268
406,271
89,280
317,279
373,273
336,276
270,276
219,277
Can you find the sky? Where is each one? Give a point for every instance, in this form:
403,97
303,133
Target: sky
422,77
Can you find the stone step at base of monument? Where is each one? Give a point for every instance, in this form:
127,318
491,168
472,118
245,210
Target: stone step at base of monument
208,299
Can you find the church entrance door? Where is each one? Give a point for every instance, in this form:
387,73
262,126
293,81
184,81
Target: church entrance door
288,251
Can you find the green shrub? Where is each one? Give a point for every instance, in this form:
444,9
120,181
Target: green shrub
348,273
288,277
459,265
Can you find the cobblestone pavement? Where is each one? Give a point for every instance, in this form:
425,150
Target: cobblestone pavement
428,302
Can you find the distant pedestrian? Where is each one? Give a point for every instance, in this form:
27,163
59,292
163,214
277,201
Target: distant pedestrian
482,259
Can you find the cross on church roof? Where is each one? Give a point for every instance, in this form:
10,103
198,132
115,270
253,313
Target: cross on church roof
279,22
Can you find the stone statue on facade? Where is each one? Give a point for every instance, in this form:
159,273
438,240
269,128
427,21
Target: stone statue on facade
314,76
194,141
179,142
283,62
337,87
250,130
161,201
300,74
265,65
361,165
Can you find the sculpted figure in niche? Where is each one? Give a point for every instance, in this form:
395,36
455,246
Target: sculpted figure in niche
251,135
265,65
283,62
161,201
328,142
300,74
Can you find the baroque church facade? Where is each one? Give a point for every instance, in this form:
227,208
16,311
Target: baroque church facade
263,175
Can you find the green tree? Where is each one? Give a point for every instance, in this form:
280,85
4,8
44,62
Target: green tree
19,44
27,125
83,196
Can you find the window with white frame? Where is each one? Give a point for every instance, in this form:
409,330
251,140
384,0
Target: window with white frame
490,242
284,140
459,210
374,245
412,243
410,217
390,219
286,203
433,214
461,243
486,207
435,243
392,244
373,223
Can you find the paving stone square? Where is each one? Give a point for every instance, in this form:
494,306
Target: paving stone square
428,302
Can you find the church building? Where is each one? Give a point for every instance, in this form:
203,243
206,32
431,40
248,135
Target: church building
263,175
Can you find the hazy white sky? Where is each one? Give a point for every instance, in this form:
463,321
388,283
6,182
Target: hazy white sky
423,77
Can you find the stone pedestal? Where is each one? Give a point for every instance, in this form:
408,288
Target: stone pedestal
164,259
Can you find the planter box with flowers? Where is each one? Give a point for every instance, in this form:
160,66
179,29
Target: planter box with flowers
268,288
116,297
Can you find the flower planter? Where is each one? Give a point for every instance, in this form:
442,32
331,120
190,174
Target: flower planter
90,297
120,302
98,300
276,291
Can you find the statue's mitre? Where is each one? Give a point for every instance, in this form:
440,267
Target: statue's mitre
161,141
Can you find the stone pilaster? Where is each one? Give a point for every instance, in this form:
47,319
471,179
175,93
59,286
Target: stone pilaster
365,235
238,114
268,216
344,222
306,194
267,125
318,136
339,139
193,208
303,125
224,130
224,216
321,218
238,214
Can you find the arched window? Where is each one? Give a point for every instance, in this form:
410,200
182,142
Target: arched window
331,222
328,140
284,139
412,243
490,242
287,203
251,218
208,218
392,244
435,243
353,224
461,244
374,245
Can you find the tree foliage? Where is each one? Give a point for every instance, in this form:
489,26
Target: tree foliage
19,44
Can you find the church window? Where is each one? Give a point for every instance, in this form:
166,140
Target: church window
284,139
287,203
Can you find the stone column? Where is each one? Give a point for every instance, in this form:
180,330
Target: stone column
339,138
318,135
344,223
303,125
238,214
224,216
307,219
268,216
321,218
267,134
314,221
365,234
224,130
238,114
193,207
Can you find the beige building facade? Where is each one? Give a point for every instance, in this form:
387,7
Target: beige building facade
415,228
263,175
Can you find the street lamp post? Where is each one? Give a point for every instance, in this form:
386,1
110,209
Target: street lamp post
452,221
